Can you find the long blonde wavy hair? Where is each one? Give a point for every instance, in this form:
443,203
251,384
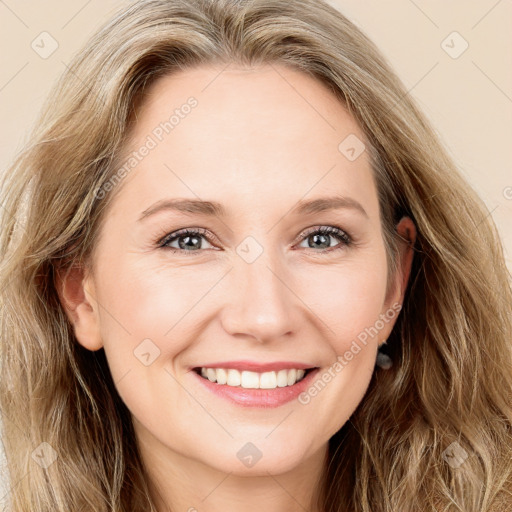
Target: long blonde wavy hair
449,390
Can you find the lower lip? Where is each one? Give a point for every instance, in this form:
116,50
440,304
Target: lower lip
259,397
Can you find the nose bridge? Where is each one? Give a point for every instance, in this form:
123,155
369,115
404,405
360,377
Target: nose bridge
261,305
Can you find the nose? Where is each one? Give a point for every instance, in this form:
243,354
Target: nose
260,303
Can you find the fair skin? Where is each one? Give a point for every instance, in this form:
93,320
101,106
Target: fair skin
258,142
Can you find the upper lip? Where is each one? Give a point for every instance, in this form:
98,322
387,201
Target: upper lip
254,366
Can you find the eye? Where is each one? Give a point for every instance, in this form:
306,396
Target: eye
190,240
320,238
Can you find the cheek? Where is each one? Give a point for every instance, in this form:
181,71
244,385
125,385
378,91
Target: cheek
348,298
350,308
161,303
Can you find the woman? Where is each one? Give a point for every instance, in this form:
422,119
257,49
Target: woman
170,325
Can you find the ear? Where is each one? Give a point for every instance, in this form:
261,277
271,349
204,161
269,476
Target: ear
77,296
406,231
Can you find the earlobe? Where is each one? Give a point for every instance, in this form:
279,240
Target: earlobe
75,290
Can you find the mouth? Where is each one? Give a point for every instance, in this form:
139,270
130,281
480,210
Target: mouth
245,379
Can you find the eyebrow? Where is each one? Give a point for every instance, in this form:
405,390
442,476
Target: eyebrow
215,209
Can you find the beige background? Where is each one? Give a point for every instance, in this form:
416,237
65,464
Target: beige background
468,99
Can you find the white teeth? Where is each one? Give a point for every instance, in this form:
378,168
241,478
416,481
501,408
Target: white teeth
250,380
222,376
268,380
282,378
234,378
253,380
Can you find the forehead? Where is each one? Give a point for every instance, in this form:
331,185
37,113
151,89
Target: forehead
244,133
241,107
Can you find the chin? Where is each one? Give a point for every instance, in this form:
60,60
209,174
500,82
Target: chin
253,459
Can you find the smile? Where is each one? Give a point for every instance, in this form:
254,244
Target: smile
248,388
253,380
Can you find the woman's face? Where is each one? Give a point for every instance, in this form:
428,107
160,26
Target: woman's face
258,284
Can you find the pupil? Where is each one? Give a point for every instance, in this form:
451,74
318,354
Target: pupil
187,243
322,238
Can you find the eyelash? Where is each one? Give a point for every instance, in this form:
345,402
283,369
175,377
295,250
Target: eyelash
344,238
